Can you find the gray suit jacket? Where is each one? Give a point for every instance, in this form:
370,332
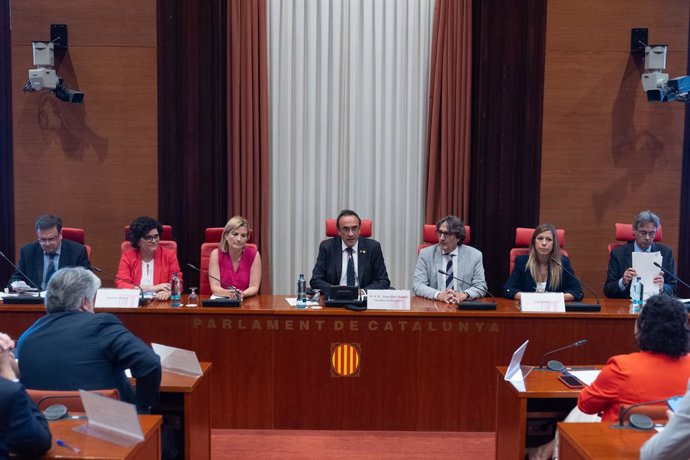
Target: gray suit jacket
674,442
468,267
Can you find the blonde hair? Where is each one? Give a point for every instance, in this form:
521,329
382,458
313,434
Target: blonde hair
555,272
233,223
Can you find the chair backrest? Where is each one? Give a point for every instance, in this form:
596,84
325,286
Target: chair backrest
365,229
70,399
213,234
429,236
167,233
78,236
205,256
127,246
624,234
523,236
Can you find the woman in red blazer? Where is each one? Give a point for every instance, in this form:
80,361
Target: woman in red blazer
148,264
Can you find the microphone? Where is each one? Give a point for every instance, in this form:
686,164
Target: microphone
142,300
638,421
558,366
580,306
22,298
224,302
473,304
673,275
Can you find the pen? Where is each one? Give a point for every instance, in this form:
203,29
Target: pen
62,443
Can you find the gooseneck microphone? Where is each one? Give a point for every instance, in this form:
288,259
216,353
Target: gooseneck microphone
638,421
22,298
558,366
673,275
472,304
582,306
224,302
142,300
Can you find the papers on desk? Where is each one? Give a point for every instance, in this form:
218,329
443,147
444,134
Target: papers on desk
549,302
177,360
293,302
110,419
586,376
643,263
117,298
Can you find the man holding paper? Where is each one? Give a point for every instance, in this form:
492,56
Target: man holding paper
72,348
621,272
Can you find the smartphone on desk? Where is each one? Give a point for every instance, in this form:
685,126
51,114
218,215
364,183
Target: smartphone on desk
674,403
570,381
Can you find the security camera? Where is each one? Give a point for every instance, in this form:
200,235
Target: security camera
44,77
656,83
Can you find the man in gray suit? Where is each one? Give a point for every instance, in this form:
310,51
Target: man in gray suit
455,260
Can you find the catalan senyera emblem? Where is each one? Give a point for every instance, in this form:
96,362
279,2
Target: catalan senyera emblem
346,359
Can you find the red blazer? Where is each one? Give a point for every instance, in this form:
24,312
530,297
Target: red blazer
165,264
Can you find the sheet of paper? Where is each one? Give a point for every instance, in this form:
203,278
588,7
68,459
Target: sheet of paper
549,302
110,419
293,302
586,376
177,360
388,299
513,371
117,298
643,263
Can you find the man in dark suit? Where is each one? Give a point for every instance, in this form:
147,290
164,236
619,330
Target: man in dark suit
42,258
23,429
349,260
620,271
72,348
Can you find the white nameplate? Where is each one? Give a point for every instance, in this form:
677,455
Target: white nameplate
516,372
177,360
117,298
388,299
549,302
110,419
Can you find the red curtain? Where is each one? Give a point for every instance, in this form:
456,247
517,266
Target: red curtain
247,114
448,160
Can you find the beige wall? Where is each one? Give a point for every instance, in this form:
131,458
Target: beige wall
607,153
93,164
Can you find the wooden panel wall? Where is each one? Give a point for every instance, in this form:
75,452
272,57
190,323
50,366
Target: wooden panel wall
94,164
606,152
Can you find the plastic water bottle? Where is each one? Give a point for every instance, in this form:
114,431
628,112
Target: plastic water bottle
175,290
301,292
636,292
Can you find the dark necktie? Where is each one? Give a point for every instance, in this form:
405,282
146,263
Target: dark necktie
351,276
449,271
51,268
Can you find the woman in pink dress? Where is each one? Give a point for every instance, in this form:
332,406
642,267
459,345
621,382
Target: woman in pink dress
235,263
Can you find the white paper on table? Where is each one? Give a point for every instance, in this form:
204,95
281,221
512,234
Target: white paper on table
293,302
177,360
586,376
388,299
110,419
516,373
549,302
117,298
643,263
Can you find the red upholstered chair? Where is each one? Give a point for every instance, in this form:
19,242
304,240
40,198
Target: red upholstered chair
365,229
430,237
624,234
76,235
70,399
212,241
523,236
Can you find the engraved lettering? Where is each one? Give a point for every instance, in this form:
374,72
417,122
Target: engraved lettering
373,325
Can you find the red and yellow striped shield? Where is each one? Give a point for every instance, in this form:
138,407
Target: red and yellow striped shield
345,359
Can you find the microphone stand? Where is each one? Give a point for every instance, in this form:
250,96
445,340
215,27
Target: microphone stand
224,302
473,304
637,421
555,365
580,306
22,298
673,275
142,300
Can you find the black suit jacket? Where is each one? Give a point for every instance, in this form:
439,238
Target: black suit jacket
521,280
23,429
371,268
621,259
80,350
31,260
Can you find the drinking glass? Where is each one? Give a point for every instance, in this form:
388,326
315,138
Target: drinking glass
192,299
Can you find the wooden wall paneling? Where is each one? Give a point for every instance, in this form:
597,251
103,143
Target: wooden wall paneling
606,152
6,167
684,225
508,60
191,113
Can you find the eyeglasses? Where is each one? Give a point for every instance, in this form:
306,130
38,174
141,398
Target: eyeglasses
48,240
441,233
150,238
644,234
353,229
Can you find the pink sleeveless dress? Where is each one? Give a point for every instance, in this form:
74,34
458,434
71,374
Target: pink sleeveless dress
239,278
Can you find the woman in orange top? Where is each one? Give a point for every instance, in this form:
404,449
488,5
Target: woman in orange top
660,370
148,264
